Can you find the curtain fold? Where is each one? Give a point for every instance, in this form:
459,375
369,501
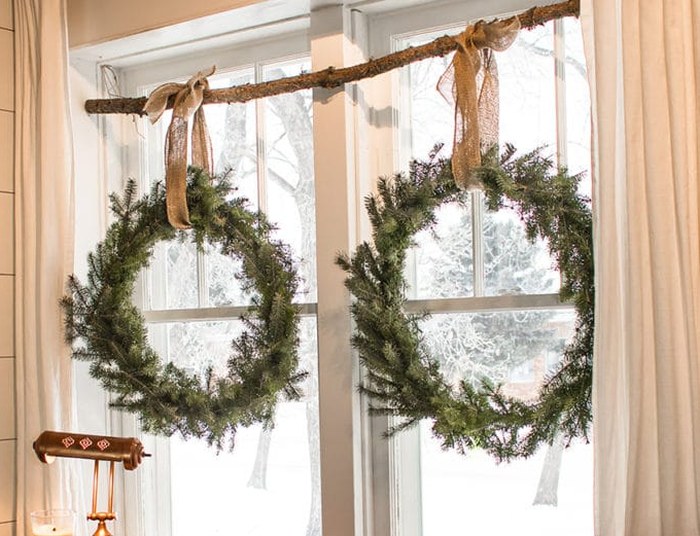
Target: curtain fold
44,253
644,71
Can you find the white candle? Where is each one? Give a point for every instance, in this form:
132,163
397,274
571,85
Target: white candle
51,530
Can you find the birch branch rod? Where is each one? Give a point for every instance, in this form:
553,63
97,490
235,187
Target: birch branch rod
332,77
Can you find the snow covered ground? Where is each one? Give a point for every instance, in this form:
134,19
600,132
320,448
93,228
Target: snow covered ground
462,495
472,495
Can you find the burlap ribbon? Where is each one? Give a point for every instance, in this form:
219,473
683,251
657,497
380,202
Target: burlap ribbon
188,102
476,108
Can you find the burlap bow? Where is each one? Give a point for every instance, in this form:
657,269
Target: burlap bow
188,101
476,109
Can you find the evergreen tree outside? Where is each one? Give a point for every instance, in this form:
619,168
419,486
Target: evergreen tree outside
483,345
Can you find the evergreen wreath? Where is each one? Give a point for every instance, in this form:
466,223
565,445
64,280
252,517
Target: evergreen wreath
264,361
402,379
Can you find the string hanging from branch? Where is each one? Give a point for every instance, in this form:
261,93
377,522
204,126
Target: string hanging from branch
188,105
476,108
332,77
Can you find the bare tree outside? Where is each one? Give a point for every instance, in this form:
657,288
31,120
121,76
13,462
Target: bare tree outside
292,112
289,172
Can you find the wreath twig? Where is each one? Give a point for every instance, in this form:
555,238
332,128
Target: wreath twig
402,378
113,334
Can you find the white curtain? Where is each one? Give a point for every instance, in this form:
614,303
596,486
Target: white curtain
644,70
44,252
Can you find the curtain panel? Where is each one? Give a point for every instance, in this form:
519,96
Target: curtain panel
643,61
44,253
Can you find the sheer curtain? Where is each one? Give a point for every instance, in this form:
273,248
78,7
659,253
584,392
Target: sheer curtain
644,69
44,246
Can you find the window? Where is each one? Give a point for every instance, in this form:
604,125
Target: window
267,149
486,258
191,302
281,152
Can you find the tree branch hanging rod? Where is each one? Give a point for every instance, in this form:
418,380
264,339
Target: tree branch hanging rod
332,77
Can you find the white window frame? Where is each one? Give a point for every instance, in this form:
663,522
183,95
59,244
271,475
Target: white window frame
371,486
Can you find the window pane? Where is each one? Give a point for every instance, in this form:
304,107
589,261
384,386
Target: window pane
442,263
232,128
526,96
268,471
526,90
223,284
442,258
513,264
547,494
290,171
232,131
174,273
497,345
578,104
431,117
172,276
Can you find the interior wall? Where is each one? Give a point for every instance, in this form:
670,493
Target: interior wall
8,432
97,21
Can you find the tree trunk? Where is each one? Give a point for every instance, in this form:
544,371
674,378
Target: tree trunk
258,476
548,487
293,114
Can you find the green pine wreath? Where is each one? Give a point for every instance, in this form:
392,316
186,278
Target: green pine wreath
113,336
402,379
